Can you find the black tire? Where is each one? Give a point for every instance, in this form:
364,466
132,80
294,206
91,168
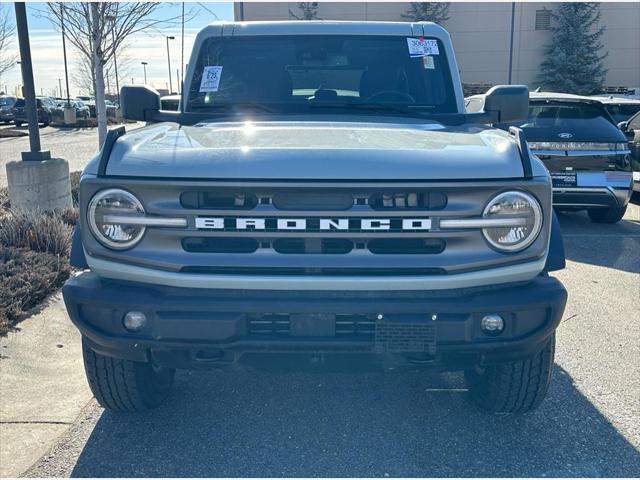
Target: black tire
123,385
606,215
517,387
18,124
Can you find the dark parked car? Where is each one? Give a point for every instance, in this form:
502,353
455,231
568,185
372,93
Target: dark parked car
46,106
170,102
631,129
621,109
6,104
585,151
82,111
112,108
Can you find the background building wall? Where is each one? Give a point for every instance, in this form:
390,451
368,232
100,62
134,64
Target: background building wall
481,32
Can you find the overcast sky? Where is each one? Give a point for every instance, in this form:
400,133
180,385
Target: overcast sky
46,47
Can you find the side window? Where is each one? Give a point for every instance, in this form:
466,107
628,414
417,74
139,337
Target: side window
634,124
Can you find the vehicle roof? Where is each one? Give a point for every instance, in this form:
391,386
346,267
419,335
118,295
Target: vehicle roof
323,27
611,100
561,96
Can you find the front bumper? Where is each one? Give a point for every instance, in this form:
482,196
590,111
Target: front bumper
191,328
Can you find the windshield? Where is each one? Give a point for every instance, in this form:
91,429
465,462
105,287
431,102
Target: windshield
562,115
296,72
4,101
622,113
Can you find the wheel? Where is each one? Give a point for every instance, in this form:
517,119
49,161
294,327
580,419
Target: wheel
606,215
124,385
18,124
516,387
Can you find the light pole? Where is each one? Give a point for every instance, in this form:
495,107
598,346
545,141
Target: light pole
64,54
169,63
60,86
513,14
144,65
180,86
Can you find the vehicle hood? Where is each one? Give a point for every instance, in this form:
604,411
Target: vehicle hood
316,150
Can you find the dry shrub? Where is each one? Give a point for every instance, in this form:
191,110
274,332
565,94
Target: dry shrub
26,278
42,232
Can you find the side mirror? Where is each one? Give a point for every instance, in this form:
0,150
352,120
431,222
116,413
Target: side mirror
139,102
507,103
623,126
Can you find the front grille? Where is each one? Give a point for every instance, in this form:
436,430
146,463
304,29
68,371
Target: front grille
315,228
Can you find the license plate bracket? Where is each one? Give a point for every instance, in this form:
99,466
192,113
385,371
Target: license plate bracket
397,337
564,179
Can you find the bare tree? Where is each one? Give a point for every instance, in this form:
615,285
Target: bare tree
83,78
98,30
7,31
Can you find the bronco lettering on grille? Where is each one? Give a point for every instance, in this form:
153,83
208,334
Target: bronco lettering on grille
313,224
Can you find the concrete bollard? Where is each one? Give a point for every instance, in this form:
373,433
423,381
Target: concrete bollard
39,185
69,116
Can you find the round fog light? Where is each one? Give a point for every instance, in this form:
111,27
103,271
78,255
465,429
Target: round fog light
492,324
134,321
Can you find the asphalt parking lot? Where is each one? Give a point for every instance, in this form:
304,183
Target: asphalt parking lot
76,145
247,423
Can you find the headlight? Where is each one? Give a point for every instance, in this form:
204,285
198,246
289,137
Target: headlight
524,215
104,209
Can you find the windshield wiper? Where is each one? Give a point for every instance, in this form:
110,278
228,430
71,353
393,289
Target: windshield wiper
233,107
406,109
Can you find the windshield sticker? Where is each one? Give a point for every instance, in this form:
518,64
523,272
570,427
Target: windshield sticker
428,62
419,47
211,78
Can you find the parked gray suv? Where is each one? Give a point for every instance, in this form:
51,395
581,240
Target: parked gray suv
321,199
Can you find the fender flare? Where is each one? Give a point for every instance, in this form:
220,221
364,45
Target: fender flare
556,255
76,257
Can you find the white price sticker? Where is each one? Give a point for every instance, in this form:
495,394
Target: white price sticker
418,47
211,78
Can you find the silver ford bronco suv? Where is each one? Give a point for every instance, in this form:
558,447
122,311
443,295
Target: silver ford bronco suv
320,200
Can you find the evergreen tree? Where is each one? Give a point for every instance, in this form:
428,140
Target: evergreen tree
308,11
573,59
436,12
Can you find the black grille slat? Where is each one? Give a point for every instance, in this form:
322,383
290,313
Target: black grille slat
425,200
406,246
220,245
280,325
218,200
312,202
